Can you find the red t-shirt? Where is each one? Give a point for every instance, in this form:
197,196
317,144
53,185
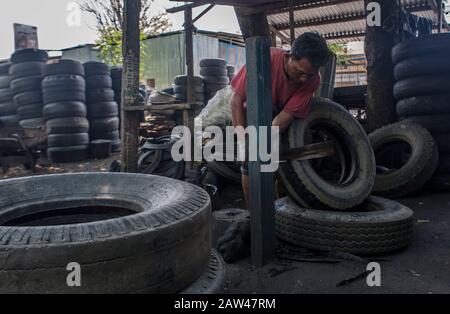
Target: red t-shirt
287,96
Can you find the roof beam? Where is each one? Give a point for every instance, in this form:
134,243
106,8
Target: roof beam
333,19
303,5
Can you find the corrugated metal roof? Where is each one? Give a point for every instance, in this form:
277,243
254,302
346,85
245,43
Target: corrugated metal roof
339,20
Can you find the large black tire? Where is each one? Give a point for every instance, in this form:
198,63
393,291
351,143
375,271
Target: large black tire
116,73
63,140
64,95
103,110
67,125
7,108
5,82
181,80
5,95
423,65
99,95
4,68
424,105
96,68
29,55
27,69
213,62
421,160
104,124
26,84
99,81
64,109
30,111
421,85
216,80
68,153
63,82
12,120
224,170
134,249
424,45
213,71
32,123
27,98
109,135
306,181
436,124
64,67
378,226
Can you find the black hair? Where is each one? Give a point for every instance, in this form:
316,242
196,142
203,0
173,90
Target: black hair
312,46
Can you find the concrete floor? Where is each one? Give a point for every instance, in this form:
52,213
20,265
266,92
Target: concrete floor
422,268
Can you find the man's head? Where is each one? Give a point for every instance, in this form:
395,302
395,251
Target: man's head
308,54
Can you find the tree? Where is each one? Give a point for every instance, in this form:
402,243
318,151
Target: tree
109,17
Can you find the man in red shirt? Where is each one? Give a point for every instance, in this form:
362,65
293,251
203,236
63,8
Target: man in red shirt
295,78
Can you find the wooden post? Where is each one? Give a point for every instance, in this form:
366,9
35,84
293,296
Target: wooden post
262,191
440,15
379,42
252,24
291,22
130,85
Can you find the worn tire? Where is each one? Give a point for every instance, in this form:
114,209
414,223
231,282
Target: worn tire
6,95
27,69
197,97
108,135
63,82
222,169
4,68
213,71
213,62
32,111
181,80
68,153
27,98
64,95
423,65
7,108
11,120
419,167
64,66
424,105
96,68
104,124
103,110
63,140
436,124
424,45
67,125
381,226
29,55
99,95
421,86
183,90
5,82
64,109
302,181
99,81
136,253
26,84
32,123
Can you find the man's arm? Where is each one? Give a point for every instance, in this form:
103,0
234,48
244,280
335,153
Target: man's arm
237,112
283,121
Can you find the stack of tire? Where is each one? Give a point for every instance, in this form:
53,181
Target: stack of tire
64,94
180,89
215,75
422,91
231,72
26,79
329,206
8,112
103,111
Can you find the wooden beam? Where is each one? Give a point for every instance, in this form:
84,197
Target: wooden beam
291,22
282,36
187,6
326,20
252,25
130,85
259,113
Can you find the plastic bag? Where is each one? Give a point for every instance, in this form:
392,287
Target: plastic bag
218,110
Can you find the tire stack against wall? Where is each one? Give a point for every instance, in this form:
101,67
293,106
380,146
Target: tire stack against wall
8,112
103,111
422,91
26,79
64,94
215,75
180,89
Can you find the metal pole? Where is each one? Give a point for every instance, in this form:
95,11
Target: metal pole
130,86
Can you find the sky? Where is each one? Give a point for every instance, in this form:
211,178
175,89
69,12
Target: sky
50,16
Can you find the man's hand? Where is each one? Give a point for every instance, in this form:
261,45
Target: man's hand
283,121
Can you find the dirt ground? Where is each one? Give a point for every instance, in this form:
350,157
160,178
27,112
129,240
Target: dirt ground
423,268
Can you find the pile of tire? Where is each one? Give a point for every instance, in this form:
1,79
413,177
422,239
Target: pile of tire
180,89
155,158
8,112
329,206
26,80
64,94
103,111
215,75
231,72
422,91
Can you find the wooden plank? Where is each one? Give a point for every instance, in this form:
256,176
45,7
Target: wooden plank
130,86
259,109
